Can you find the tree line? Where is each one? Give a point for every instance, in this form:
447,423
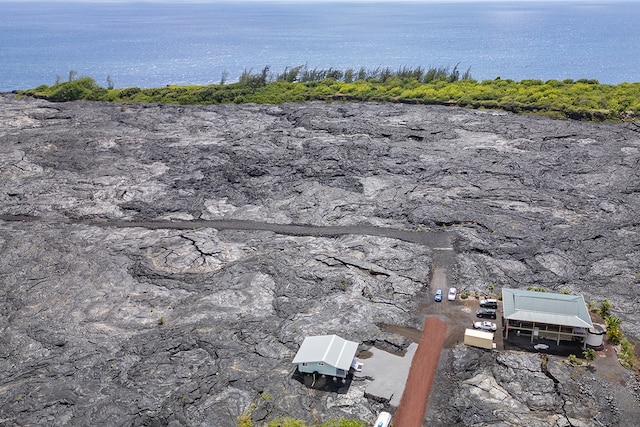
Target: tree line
583,99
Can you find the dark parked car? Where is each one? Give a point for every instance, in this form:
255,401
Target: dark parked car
486,312
489,303
438,296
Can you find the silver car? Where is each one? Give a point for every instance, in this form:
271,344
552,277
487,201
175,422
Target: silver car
485,325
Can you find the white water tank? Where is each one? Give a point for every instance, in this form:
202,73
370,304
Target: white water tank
595,336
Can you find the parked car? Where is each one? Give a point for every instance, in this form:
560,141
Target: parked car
438,296
384,420
452,294
489,303
486,312
485,325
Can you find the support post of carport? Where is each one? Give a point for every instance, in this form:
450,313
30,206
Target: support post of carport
505,322
533,329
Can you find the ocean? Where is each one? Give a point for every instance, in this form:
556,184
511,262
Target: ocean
152,44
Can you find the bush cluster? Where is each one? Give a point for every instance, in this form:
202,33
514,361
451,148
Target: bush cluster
579,100
615,333
245,421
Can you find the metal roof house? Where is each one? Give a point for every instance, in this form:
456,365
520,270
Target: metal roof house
327,355
545,315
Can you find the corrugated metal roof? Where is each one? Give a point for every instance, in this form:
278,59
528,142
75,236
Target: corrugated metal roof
330,349
545,307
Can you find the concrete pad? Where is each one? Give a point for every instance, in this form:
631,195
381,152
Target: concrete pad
388,372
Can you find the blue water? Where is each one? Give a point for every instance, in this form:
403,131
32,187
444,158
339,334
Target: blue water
153,44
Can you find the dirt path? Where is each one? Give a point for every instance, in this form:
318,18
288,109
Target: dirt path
435,239
414,400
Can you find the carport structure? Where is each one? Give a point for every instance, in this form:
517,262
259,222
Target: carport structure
545,315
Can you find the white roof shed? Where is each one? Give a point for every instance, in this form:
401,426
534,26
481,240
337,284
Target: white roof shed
330,349
477,338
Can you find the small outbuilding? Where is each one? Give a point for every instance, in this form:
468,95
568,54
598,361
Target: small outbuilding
477,338
327,355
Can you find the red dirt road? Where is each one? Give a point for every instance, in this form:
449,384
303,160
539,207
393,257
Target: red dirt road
414,400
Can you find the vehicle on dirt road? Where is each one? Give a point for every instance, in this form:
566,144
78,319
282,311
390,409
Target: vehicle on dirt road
384,420
438,296
485,325
452,294
489,303
486,312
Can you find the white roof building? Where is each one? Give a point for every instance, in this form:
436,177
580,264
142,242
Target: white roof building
545,307
545,314
328,350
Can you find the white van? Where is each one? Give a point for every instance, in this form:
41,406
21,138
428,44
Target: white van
384,420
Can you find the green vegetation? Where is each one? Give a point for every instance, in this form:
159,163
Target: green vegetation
626,355
573,359
626,351
581,99
544,362
245,421
613,329
605,309
291,422
266,402
589,354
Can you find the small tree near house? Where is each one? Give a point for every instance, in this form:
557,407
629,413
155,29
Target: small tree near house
605,309
613,329
590,355
573,359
